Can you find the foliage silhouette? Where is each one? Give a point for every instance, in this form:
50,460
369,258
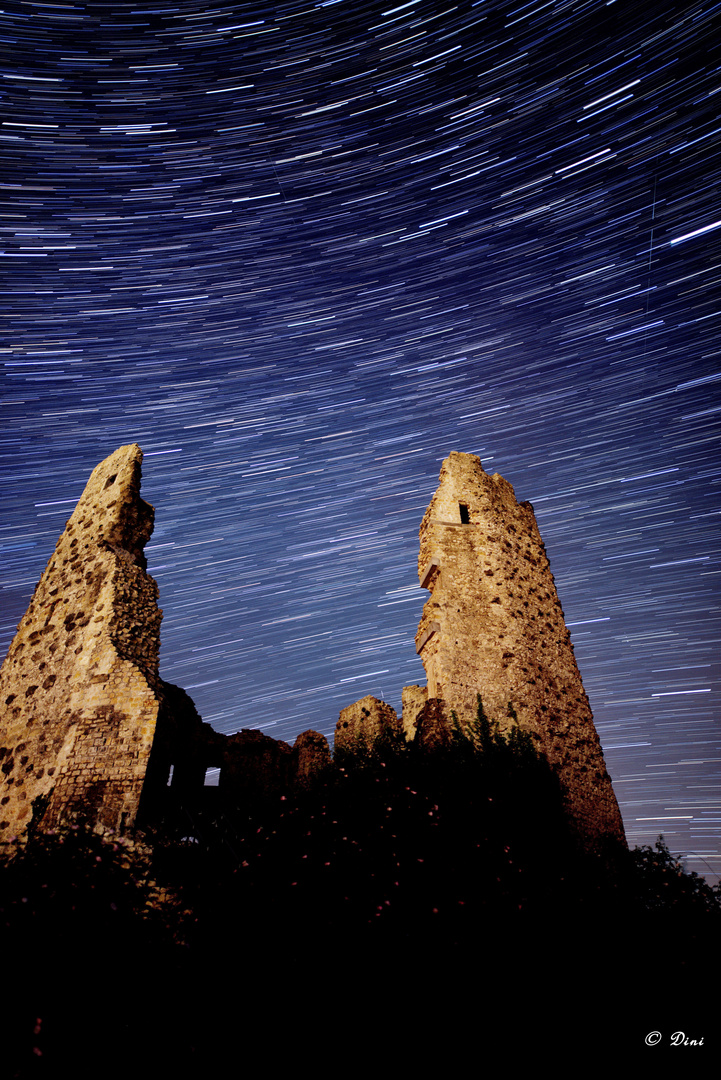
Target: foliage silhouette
421,863
660,882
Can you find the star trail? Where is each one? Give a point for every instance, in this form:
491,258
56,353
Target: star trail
300,252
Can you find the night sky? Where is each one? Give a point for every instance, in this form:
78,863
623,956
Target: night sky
300,252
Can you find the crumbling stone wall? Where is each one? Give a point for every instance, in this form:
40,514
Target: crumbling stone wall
88,728
363,723
80,690
434,726
311,758
413,700
494,626
252,766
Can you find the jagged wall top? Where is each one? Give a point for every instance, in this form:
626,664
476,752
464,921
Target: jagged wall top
110,508
463,479
80,689
493,626
88,729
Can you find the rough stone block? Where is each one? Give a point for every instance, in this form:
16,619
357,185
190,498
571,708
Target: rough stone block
494,626
362,724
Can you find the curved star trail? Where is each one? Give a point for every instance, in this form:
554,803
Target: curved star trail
299,252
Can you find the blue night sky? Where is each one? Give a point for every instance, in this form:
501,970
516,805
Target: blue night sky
299,252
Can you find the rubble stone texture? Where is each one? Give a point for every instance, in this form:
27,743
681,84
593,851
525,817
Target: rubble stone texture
364,722
88,729
413,700
311,757
494,626
434,728
82,704
80,690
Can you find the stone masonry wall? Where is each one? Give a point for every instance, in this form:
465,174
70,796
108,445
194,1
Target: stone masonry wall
413,700
364,722
82,702
80,689
494,626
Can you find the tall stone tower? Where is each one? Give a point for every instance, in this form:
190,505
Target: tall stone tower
80,690
494,626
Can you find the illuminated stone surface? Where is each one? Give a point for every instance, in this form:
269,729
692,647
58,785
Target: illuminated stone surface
80,690
494,626
83,704
88,729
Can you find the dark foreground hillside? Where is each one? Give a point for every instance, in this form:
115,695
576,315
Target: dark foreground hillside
411,908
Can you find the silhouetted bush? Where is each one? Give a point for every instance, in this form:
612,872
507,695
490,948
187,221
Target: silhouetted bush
659,882
402,864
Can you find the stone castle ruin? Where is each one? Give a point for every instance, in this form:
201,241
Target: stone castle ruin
493,626
89,729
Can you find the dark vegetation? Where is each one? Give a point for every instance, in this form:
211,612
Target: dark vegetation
404,891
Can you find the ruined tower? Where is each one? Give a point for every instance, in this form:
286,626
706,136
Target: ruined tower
80,690
494,626
88,728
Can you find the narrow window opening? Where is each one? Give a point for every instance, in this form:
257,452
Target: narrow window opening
465,516
212,777
170,775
